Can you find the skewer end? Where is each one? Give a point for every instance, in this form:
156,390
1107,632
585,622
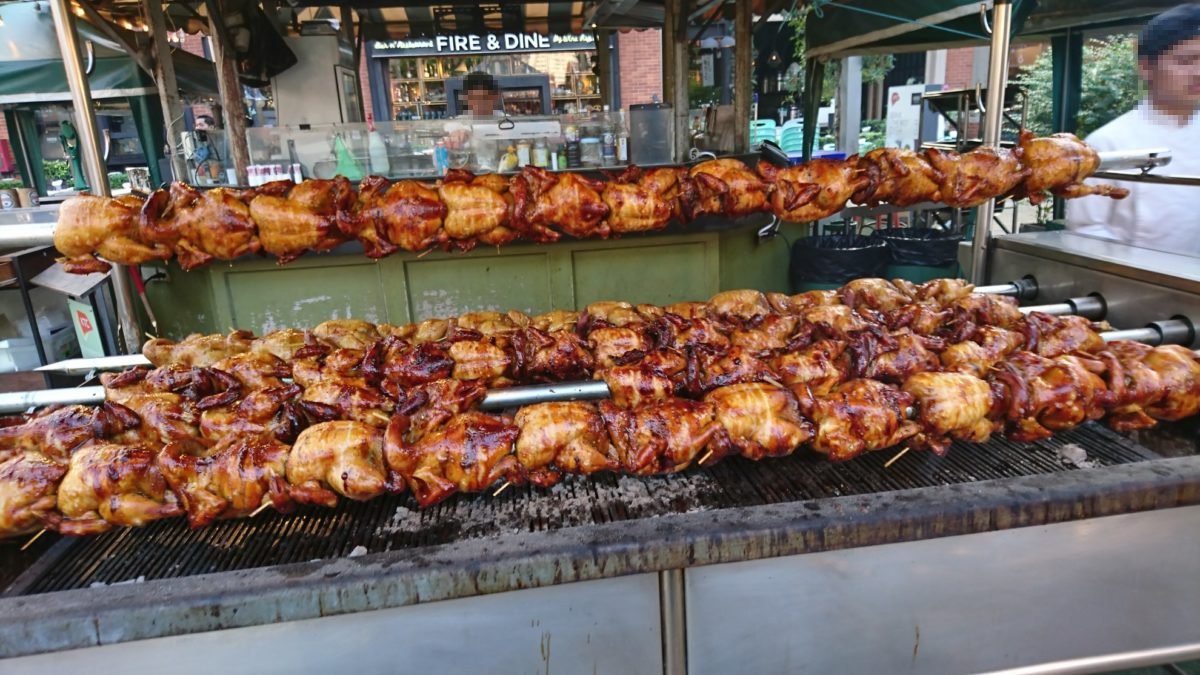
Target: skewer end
33,539
896,458
502,488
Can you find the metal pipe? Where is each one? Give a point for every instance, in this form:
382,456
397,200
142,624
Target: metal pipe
515,397
1090,307
672,596
27,236
85,366
998,289
992,122
1144,160
89,147
1147,335
1110,662
21,401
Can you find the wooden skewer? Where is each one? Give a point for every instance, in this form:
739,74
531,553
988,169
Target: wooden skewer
705,457
502,488
380,415
898,456
261,507
424,253
33,539
150,335
773,381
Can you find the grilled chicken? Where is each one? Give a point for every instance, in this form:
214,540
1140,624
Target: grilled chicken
57,432
814,190
972,178
109,484
758,420
200,227
1058,164
557,438
28,491
197,350
469,454
272,412
337,458
662,437
474,210
950,406
567,201
643,201
859,416
898,177
726,187
301,217
89,225
229,480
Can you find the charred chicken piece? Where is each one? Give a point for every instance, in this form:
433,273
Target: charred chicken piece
470,453
89,225
815,190
229,480
57,432
859,416
364,220
708,370
1058,165
899,177
1135,385
429,406
332,399
726,187
302,217
200,227
197,350
758,420
909,355
972,178
950,406
569,202
675,332
662,437
565,437
550,357
272,411
108,485
255,370
1052,336
1048,395
337,458
28,491
409,365
637,385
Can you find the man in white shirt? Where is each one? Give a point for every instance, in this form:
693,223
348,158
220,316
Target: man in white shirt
1163,217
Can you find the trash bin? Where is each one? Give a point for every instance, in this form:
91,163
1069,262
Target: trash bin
920,254
828,261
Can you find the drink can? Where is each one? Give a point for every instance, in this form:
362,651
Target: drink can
441,158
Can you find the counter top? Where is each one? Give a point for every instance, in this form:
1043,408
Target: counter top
1171,270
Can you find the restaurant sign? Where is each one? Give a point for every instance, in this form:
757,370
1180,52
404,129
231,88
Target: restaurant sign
485,43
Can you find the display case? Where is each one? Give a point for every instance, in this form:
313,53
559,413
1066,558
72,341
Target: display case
324,151
519,94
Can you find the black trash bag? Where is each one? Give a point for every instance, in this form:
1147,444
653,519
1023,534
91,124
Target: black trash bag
922,247
837,258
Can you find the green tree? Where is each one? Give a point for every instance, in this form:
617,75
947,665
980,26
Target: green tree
875,67
1110,85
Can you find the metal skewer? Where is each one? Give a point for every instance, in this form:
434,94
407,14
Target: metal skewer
1090,307
85,366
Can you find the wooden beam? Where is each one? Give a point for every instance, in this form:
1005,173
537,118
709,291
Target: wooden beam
233,105
675,71
111,33
604,65
168,86
743,54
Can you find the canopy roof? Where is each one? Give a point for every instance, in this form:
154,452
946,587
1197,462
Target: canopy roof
31,69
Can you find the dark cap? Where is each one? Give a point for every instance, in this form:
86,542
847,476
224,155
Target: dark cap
479,80
1168,29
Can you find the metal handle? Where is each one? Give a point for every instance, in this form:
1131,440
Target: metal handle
983,19
89,49
107,136
1143,160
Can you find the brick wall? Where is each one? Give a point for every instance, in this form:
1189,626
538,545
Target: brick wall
960,63
364,82
640,57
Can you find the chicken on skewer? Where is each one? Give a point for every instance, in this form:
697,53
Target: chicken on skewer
1058,164
89,226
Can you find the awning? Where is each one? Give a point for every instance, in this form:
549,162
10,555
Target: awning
31,69
383,18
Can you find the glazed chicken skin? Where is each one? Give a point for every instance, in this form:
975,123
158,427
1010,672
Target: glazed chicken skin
288,344
899,177
295,218
978,355
200,227
89,225
1058,164
1135,385
165,418
642,201
474,210
1047,395
347,333
254,370
1180,373
56,432
859,416
757,420
230,480
109,484
337,458
404,215
613,346
550,357
972,178
562,437
272,412
469,454
815,370
28,491
950,406
428,406
815,190
662,437
726,187
568,201
196,350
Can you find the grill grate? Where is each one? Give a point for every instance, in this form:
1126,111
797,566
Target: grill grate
169,549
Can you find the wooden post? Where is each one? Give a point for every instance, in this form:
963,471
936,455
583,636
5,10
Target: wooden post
232,104
675,71
168,87
604,66
743,62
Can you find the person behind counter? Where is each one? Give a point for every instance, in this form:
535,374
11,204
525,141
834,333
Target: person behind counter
1162,217
483,102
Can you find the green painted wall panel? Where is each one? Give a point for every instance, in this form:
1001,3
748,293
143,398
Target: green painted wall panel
660,274
182,301
445,287
268,299
747,263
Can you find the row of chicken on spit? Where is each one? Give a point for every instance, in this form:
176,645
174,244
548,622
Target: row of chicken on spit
284,219
224,425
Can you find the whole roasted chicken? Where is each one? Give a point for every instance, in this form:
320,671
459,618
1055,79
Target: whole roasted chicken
1058,164
200,227
293,219
814,190
89,225
972,178
569,202
726,187
229,480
